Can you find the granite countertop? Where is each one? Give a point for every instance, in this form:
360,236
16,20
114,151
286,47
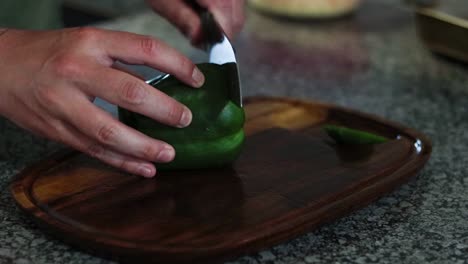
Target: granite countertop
374,62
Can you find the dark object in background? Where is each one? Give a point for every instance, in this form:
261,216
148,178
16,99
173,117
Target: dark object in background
444,28
422,3
73,17
305,9
30,15
85,12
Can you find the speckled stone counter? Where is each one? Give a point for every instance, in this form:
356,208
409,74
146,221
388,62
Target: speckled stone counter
374,62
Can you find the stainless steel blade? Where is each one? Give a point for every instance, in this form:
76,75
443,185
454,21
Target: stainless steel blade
220,51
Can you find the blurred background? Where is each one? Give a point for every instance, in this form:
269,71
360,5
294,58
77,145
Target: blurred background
83,12
384,59
78,12
58,13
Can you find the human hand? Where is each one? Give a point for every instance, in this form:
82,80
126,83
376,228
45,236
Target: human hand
229,14
50,78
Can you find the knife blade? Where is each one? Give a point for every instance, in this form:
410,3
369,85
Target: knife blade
219,49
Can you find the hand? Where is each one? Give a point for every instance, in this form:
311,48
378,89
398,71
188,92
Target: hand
228,13
50,78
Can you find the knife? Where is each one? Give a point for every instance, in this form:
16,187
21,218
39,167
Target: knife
219,50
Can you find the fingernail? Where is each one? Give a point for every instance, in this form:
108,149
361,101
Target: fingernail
186,118
198,77
145,171
167,154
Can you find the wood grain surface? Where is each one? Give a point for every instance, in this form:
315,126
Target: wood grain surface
290,178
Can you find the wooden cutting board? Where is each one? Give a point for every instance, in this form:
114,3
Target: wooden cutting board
291,178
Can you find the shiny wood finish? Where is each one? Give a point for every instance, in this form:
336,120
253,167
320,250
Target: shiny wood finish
290,178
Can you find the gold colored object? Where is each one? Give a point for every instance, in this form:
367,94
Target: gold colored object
306,8
444,29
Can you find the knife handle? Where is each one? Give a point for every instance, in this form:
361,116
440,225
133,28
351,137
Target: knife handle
211,31
196,6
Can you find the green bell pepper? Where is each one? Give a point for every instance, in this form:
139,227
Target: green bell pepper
215,136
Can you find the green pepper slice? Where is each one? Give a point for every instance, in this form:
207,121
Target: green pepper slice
216,135
345,135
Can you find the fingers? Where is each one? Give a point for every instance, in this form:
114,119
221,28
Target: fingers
228,13
48,90
76,139
139,49
124,162
54,129
102,128
71,136
180,14
135,95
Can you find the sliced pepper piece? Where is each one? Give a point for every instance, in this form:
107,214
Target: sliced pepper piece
345,135
216,135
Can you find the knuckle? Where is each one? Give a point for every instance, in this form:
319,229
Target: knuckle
150,152
132,92
94,150
174,113
124,165
86,34
107,133
187,66
181,18
65,66
149,46
47,96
